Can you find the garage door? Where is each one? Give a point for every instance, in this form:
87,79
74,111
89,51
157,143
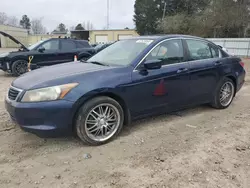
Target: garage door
121,37
101,38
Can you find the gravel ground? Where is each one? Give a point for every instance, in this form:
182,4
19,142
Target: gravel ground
199,147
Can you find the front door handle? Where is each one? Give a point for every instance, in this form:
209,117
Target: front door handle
182,70
217,63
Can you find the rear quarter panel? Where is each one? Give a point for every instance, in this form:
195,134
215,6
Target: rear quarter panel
231,68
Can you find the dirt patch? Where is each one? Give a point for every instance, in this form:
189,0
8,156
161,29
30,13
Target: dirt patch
200,147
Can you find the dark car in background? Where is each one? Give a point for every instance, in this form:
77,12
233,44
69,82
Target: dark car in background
101,47
130,79
44,53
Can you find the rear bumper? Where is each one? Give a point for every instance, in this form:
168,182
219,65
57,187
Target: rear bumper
240,80
44,119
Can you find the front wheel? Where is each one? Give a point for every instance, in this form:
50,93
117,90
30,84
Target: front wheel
99,120
84,59
19,67
224,94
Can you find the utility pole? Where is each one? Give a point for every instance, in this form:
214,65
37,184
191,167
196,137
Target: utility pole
107,14
164,11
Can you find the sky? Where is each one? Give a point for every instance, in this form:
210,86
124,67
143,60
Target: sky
72,12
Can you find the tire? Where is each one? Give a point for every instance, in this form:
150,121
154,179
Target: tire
84,58
98,125
217,99
19,67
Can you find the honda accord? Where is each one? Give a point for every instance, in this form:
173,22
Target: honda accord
131,79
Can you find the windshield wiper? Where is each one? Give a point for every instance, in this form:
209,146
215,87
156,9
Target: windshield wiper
97,63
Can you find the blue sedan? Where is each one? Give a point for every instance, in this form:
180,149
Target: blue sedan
130,79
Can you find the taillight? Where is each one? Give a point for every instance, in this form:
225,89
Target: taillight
242,64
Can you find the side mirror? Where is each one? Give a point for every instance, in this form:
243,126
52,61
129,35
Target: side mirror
153,64
41,49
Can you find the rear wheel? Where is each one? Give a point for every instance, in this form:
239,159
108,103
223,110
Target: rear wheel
224,94
19,67
99,121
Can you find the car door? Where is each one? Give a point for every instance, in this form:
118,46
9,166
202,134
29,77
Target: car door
47,53
67,51
204,69
165,88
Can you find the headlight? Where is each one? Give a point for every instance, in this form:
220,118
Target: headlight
48,93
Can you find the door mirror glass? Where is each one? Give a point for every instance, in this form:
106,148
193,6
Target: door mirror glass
41,49
153,64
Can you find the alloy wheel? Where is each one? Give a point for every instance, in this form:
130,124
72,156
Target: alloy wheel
102,122
21,67
226,93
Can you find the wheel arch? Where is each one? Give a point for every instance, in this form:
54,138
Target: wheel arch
84,54
116,97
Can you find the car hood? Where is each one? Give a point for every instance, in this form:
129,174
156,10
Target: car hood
61,74
14,40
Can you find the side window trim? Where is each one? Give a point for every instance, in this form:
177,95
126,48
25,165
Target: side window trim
216,47
156,45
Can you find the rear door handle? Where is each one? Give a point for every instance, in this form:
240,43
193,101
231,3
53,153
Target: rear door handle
217,63
182,70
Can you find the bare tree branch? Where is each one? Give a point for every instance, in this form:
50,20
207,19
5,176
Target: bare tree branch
3,18
13,21
37,26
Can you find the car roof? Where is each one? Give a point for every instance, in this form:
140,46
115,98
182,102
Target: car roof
66,39
164,36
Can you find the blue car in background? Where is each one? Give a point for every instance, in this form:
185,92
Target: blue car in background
130,79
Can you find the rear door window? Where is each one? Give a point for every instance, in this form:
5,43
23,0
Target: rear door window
215,52
82,44
67,45
198,50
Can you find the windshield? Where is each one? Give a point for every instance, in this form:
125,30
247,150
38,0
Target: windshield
34,45
121,53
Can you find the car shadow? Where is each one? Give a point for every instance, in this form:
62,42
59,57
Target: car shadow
166,118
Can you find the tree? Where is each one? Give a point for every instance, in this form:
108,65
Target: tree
3,18
25,22
214,18
147,16
79,27
61,27
13,21
37,26
88,26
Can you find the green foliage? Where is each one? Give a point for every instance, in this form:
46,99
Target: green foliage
79,27
25,22
147,14
62,28
205,18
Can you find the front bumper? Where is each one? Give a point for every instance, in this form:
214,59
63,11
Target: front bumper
4,65
44,119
